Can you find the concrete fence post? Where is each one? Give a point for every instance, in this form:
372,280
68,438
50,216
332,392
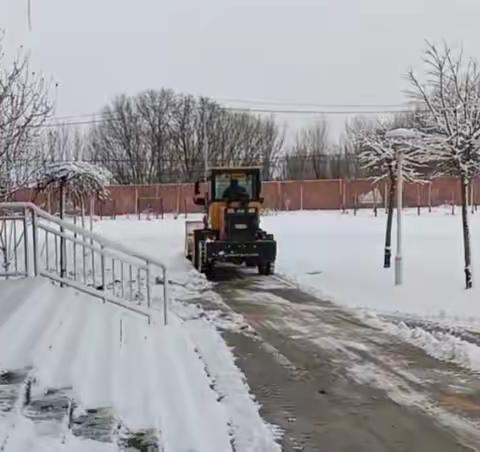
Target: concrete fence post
301,195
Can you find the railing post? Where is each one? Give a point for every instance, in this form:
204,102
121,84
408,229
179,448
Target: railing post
130,282
84,251
147,276
47,257
75,235
35,243
113,276
25,240
102,265
3,230
165,296
15,248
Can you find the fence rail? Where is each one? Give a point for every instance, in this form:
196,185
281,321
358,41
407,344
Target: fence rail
35,243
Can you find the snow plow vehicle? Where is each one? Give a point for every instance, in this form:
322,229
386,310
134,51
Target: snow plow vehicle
230,231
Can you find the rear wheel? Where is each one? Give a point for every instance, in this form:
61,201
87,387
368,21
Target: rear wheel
266,268
197,239
205,267
195,257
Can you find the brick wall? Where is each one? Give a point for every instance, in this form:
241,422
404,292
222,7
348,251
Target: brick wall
279,195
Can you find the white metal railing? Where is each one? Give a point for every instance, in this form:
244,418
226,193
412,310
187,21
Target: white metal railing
35,243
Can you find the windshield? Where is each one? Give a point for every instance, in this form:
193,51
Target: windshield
233,185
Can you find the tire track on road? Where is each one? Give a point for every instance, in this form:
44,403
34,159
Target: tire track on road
319,405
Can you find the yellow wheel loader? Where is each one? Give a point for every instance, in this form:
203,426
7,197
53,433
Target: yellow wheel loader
230,230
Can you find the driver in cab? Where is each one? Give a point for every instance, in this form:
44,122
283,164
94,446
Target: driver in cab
235,191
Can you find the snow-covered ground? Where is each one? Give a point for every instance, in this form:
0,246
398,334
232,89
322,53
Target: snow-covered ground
180,383
79,375
341,257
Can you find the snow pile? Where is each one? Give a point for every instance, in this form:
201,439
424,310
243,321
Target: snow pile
179,381
440,345
249,432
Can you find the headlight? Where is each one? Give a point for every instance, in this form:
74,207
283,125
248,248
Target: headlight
230,210
240,210
252,210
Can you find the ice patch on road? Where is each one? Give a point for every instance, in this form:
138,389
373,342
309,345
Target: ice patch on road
400,392
372,375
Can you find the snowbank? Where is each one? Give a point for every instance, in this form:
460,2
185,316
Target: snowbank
179,381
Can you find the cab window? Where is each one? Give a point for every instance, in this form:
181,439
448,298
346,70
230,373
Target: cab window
228,181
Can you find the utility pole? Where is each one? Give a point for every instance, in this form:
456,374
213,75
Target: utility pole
29,14
205,143
399,257
205,156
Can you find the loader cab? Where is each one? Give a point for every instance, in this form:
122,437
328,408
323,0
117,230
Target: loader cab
229,185
234,197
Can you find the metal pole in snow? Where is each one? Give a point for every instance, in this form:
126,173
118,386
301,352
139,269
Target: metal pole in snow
399,257
205,143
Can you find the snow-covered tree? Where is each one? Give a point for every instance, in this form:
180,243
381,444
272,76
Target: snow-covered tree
450,100
77,180
378,152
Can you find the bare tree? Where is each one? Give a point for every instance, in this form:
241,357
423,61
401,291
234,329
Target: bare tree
158,136
451,114
309,156
25,105
61,143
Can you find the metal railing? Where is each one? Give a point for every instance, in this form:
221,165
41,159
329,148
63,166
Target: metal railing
35,243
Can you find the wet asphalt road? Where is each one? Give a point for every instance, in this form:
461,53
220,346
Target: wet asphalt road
335,384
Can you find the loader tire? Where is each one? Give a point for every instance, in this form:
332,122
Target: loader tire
207,268
266,268
200,256
195,252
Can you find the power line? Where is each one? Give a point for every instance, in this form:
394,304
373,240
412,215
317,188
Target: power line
306,104
69,121
315,112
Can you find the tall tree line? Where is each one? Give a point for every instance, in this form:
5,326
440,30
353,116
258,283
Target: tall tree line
161,136
314,155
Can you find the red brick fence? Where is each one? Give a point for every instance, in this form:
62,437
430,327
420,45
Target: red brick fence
279,195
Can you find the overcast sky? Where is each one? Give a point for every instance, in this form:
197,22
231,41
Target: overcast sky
306,51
